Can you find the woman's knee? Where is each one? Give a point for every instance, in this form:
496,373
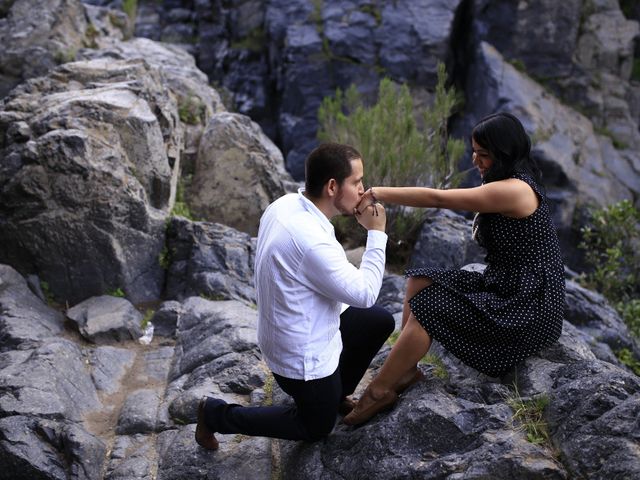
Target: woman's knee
415,284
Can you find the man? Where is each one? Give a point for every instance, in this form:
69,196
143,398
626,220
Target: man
317,349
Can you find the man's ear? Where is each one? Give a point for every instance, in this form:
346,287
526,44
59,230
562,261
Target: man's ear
332,187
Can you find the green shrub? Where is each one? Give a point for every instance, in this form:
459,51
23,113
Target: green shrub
626,356
400,146
611,242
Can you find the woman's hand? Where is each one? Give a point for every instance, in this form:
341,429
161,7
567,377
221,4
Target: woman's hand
368,198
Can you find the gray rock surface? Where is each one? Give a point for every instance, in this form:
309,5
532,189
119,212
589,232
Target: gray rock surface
139,412
238,173
52,382
24,319
107,319
209,259
91,179
445,242
109,367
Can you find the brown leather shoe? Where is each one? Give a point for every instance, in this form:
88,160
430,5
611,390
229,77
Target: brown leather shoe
418,376
204,436
368,406
346,406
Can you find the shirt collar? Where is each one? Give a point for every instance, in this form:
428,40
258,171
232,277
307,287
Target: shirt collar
311,208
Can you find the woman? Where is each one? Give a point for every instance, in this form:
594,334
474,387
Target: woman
491,320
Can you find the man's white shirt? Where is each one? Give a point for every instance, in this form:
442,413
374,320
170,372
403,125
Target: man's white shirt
303,282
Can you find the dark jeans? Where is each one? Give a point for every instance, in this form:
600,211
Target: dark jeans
313,416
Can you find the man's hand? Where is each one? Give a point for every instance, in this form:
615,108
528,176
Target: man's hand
372,217
366,200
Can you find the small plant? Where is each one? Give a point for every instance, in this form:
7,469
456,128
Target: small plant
90,35
393,338
144,323
630,312
46,291
118,292
130,7
254,41
191,110
372,10
440,369
529,416
268,391
213,297
518,65
164,258
180,207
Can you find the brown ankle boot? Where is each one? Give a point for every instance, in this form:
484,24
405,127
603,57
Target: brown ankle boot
204,436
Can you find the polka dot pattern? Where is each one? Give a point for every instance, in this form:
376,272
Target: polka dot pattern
495,319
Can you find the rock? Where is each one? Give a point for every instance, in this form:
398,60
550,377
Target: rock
94,182
595,400
445,241
166,318
209,259
109,367
132,457
592,314
238,173
238,458
25,321
32,448
52,382
107,319
45,32
139,412
463,435
208,330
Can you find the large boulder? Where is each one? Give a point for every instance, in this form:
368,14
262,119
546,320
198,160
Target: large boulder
238,173
86,180
107,319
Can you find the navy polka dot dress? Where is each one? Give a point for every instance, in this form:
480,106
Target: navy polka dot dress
495,319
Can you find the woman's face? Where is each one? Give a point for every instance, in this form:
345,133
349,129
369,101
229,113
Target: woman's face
480,158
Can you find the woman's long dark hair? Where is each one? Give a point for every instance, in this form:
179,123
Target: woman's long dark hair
509,146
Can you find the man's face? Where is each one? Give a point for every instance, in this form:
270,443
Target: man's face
351,190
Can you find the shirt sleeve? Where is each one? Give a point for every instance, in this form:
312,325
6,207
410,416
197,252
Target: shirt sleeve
326,270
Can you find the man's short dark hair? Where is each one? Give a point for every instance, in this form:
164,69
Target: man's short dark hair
327,161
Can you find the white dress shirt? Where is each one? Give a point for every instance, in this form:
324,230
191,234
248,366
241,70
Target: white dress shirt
302,279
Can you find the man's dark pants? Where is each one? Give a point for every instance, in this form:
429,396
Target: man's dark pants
313,416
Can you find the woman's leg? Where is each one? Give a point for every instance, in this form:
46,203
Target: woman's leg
412,345
414,285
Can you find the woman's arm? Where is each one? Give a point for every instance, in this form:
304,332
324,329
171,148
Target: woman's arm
510,197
